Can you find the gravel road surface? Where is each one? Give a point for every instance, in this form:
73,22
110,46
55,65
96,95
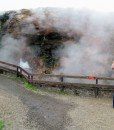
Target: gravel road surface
25,110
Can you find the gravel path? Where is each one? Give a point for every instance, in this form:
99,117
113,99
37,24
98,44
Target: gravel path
24,110
90,113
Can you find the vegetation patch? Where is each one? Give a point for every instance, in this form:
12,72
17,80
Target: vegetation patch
30,86
2,125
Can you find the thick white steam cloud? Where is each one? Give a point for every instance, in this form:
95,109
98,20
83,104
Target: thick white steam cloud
91,51
12,49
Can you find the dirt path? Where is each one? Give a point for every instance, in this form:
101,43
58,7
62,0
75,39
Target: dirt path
25,110
90,113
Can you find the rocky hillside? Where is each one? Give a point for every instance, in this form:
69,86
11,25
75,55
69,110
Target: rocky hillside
64,40
42,39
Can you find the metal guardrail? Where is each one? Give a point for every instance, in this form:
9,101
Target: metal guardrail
45,79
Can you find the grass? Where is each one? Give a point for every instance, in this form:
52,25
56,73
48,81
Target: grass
1,124
30,86
37,88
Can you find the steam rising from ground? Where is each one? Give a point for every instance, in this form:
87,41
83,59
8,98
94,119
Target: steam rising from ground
12,49
90,52
23,64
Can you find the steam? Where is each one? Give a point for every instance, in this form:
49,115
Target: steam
24,64
91,50
12,49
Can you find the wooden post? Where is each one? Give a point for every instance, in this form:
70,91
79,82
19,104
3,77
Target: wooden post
17,71
96,80
96,89
62,80
31,78
96,92
28,78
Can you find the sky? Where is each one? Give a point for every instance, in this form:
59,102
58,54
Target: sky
96,5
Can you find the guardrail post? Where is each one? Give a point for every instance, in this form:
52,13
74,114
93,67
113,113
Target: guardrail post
96,89
28,78
31,79
96,80
17,71
62,80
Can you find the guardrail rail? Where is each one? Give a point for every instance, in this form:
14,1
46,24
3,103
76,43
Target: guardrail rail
62,81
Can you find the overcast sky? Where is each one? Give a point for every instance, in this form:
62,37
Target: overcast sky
97,5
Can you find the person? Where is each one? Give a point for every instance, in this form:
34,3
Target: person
112,66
